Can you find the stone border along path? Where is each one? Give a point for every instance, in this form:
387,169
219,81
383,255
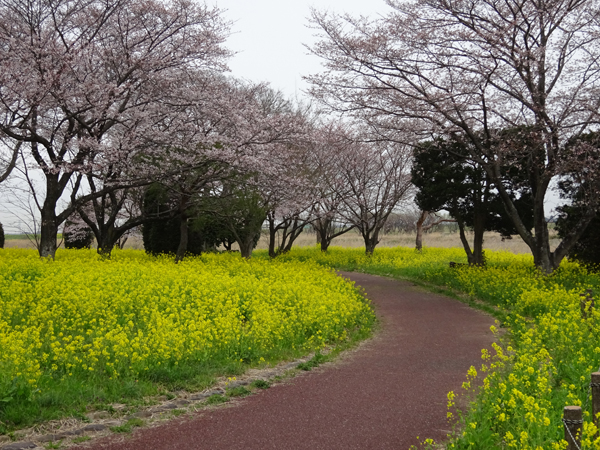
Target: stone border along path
382,395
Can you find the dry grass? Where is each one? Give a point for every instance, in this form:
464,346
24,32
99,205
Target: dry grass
18,243
492,241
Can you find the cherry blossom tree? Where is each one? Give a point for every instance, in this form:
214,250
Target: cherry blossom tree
332,186
470,69
235,153
275,140
292,208
86,82
292,193
375,178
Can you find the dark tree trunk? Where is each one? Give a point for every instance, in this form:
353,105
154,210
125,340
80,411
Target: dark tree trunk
539,243
290,229
326,232
272,236
371,241
478,232
246,247
107,237
48,233
476,256
370,244
121,243
105,245
465,242
420,222
289,238
322,227
227,245
49,219
183,240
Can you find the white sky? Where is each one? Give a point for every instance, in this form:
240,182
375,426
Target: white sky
268,36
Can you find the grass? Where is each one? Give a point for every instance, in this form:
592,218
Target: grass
216,399
315,361
128,426
74,395
261,384
438,239
238,391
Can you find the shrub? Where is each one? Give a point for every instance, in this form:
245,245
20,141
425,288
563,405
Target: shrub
587,249
77,235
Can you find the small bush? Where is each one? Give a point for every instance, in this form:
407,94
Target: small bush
77,236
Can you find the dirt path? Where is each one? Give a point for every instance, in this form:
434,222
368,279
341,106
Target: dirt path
381,396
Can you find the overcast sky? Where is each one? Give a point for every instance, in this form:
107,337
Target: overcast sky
268,36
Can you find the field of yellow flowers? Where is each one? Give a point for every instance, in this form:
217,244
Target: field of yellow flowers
83,328
79,330
540,365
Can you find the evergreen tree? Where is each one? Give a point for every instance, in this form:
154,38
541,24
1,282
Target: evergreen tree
162,231
447,180
587,249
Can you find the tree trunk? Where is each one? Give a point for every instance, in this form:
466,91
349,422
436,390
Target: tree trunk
478,232
105,244
48,232
246,247
121,243
371,242
107,237
104,240
297,229
49,226
465,242
370,245
321,228
272,237
540,242
105,251
420,222
183,240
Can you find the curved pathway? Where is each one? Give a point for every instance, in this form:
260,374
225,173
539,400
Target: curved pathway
381,396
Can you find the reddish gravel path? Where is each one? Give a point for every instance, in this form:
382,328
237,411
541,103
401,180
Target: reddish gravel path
382,396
